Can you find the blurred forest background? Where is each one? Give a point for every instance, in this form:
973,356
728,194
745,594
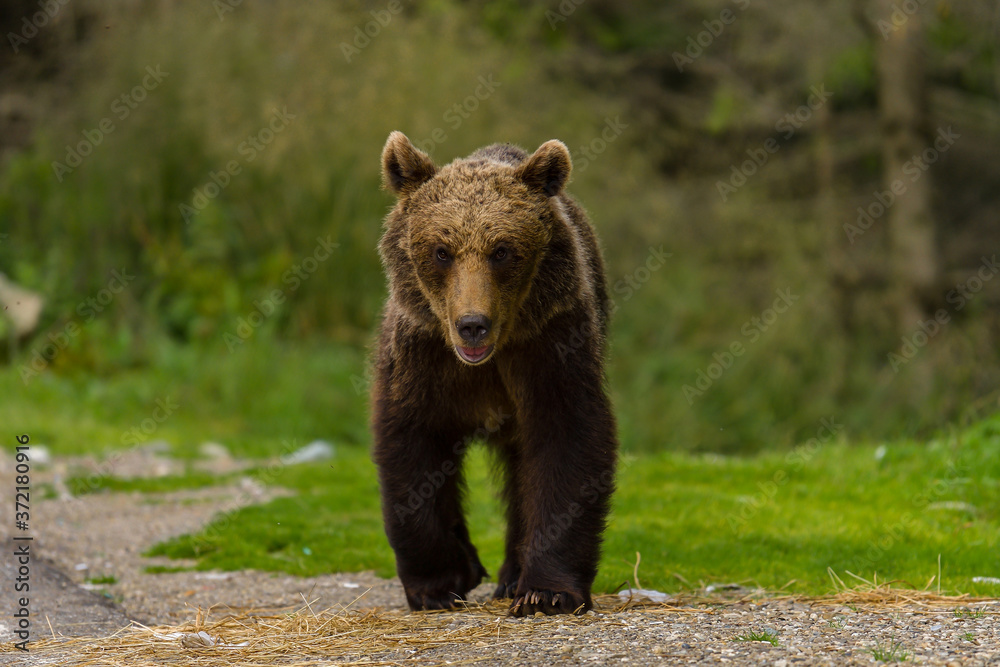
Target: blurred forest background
822,175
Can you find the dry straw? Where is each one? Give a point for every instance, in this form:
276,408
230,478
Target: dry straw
303,636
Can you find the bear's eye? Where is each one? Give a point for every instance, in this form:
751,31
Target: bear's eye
441,254
500,254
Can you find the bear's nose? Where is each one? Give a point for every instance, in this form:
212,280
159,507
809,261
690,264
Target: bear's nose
473,328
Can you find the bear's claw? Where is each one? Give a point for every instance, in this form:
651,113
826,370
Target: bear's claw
548,602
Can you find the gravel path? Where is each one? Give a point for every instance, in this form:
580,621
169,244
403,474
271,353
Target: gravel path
105,534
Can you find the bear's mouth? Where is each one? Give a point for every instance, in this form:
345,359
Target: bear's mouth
474,355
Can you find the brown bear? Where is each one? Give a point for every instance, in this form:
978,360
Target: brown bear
494,329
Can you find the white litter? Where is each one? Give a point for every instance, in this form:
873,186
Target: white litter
200,639
655,596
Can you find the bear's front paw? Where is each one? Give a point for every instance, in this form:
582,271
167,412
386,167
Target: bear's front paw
507,582
444,591
548,602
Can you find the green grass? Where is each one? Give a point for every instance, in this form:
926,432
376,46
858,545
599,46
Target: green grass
79,486
257,400
164,569
778,519
768,636
890,651
699,519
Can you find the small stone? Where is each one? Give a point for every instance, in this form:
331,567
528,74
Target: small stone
157,447
317,450
40,455
214,450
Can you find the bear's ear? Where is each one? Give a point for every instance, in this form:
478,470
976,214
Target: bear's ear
547,168
404,167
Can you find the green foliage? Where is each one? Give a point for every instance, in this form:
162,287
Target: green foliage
852,75
949,33
724,111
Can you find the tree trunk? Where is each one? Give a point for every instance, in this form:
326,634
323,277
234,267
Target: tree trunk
913,259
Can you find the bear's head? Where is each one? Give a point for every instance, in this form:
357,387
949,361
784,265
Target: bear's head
466,240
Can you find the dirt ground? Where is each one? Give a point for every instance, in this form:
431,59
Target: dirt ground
103,535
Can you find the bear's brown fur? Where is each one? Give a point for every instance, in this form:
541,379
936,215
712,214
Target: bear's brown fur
494,329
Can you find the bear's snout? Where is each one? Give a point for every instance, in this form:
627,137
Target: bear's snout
473,328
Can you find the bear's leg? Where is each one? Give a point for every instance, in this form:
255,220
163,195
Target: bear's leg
566,476
567,498
510,571
421,483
